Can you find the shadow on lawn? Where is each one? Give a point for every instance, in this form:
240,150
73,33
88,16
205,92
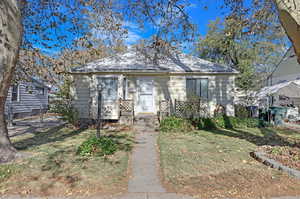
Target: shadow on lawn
268,137
40,138
125,142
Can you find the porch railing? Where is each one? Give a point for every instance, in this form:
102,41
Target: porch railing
164,109
127,108
191,109
183,109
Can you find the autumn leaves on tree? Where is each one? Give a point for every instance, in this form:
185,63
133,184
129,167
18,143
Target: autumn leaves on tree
51,36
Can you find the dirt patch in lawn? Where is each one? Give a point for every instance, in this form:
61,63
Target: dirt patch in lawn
239,183
210,164
54,169
288,156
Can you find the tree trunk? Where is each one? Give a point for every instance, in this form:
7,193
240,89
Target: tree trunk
289,14
10,40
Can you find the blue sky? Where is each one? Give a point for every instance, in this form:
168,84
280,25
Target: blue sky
200,13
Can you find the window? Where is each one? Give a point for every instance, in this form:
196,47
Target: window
125,88
29,89
197,87
15,93
109,88
40,91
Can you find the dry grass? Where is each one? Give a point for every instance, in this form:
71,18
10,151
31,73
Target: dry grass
217,163
55,169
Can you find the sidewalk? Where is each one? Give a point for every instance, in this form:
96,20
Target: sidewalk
145,181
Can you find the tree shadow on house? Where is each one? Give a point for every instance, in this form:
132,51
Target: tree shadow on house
50,136
265,136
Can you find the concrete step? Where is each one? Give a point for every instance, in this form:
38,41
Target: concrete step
150,120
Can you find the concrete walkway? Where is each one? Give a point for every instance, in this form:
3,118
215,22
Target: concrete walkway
145,181
145,166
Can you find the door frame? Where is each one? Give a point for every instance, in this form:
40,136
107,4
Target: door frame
138,79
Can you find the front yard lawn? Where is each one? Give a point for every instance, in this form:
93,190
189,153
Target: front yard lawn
55,168
216,163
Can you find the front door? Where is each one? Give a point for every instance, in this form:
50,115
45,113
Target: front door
145,101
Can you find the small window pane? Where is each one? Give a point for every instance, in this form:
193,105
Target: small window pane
14,93
204,88
191,88
40,91
198,87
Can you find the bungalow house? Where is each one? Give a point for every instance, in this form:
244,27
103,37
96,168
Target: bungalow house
26,99
130,76
283,82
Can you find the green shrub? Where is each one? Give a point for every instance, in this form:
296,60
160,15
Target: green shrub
236,122
241,111
175,124
98,146
67,111
205,123
227,122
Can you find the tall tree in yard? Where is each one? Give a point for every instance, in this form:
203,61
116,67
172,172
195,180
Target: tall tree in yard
289,14
287,10
250,39
69,26
229,42
10,40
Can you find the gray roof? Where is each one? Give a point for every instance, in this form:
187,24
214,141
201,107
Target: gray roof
133,61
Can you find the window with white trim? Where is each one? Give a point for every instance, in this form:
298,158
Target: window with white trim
40,91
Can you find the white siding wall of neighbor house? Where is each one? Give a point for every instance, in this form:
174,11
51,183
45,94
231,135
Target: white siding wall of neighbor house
28,99
287,70
285,78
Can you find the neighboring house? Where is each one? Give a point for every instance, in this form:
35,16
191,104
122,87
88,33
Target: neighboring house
130,76
280,94
288,69
27,98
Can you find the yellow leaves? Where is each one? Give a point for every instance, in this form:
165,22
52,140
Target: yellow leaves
3,191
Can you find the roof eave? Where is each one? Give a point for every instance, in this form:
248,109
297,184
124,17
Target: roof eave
152,73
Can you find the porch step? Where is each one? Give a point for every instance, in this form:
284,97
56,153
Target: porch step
150,120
